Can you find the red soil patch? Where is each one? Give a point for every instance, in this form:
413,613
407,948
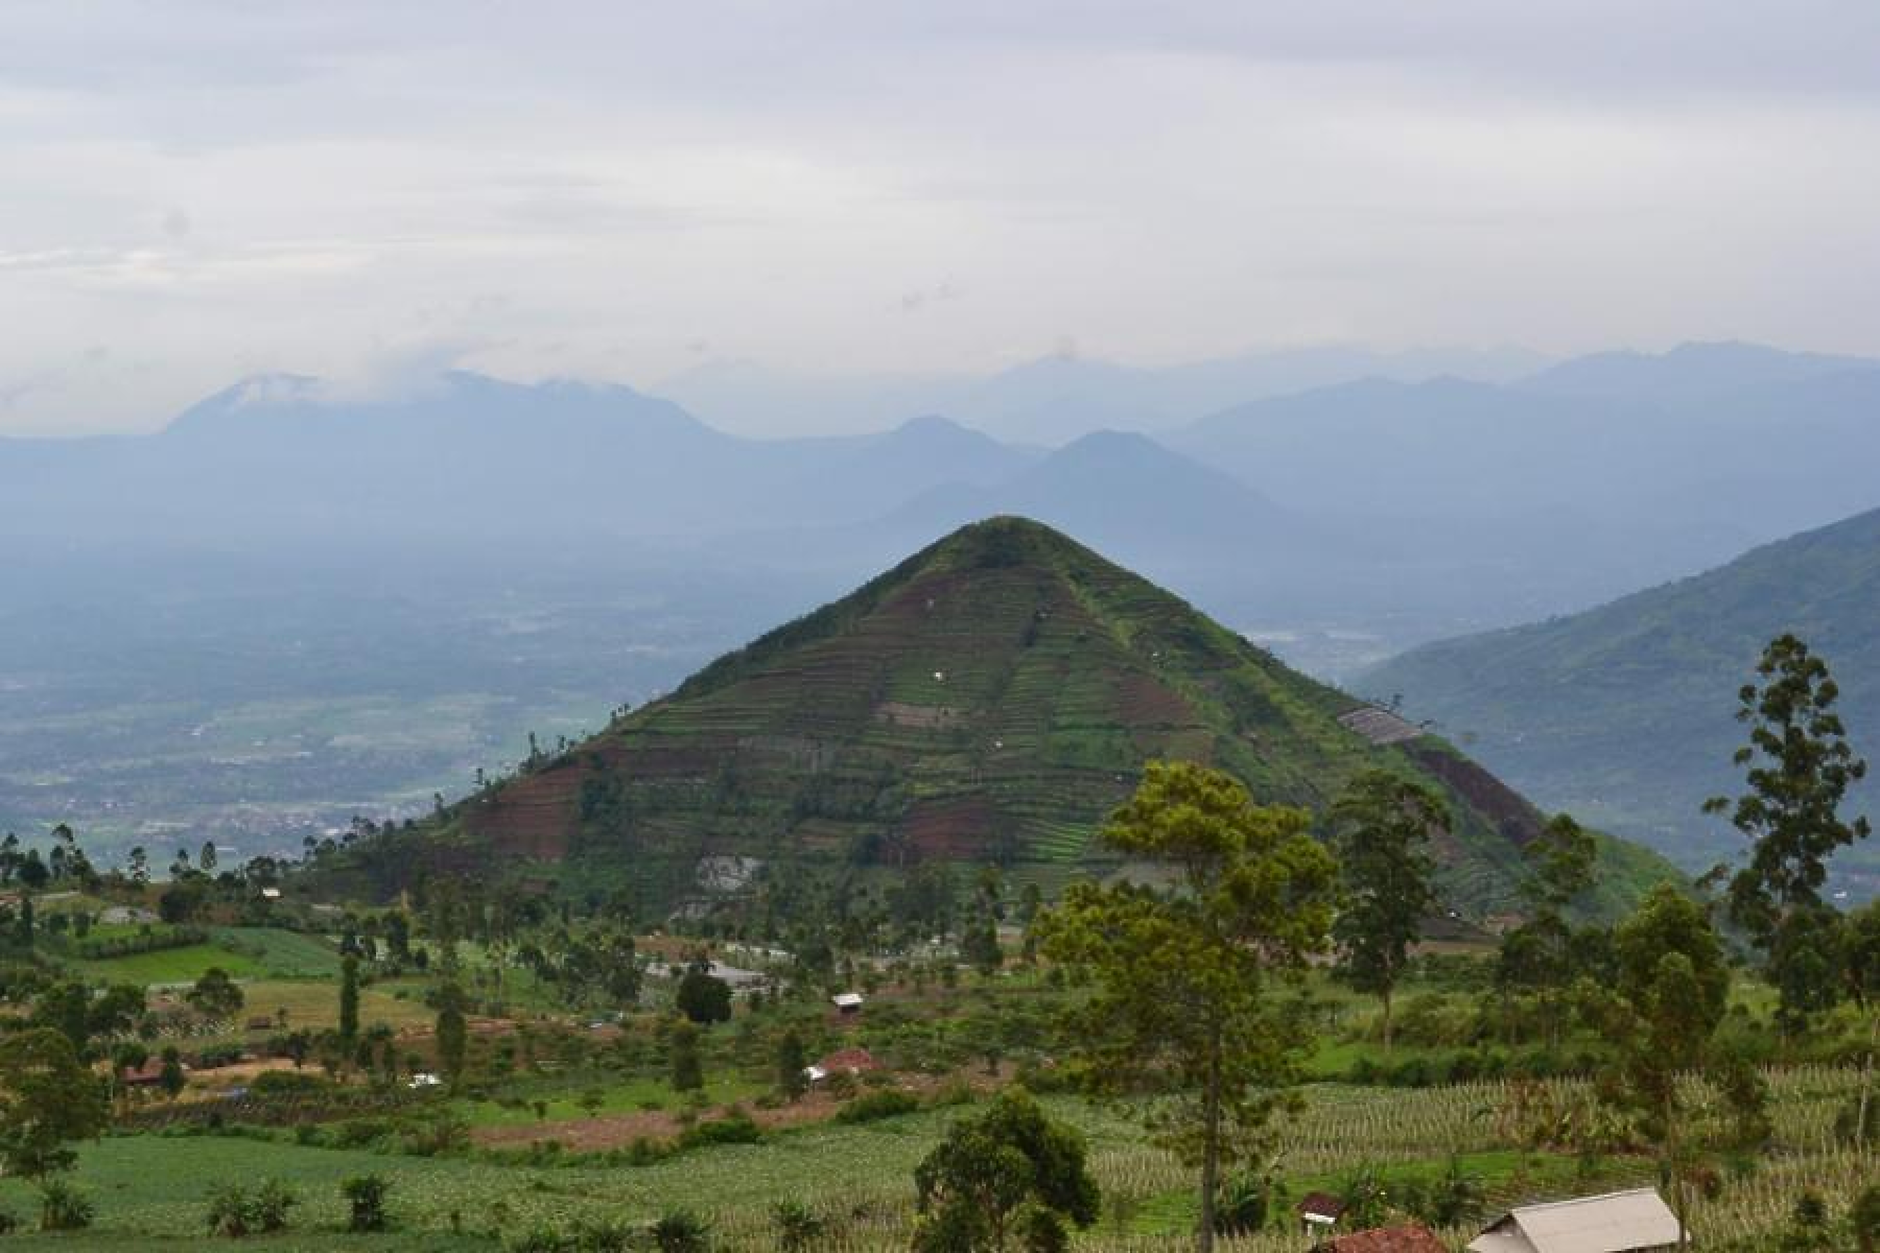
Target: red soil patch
1513,816
950,829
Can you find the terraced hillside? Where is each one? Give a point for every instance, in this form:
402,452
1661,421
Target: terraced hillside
991,698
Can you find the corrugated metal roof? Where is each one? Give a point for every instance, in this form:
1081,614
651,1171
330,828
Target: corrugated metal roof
1618,1222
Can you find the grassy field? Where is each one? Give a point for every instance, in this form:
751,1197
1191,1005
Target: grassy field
172,965
244,952
315,1004
861,1175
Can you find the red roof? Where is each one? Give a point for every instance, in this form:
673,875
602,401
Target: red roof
1410,1239
1320,1203
852,1060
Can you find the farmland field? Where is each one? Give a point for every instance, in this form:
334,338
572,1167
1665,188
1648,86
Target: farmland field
861,1174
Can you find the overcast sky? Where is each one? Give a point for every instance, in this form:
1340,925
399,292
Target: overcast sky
197,190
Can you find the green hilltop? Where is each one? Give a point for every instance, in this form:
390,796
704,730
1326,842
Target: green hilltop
991,698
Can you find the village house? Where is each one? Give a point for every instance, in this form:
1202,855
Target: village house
847,1002
1637,1221
1319,1212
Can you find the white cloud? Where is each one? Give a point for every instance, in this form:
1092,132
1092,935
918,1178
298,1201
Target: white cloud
595,189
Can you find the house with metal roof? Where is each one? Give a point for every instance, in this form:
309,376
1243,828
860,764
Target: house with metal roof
1638,1221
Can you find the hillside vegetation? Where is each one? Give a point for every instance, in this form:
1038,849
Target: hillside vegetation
990,699
1624,714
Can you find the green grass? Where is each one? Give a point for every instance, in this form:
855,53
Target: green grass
171,965
283,954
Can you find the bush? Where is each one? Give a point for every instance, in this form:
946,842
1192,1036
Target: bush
876,1106
288,1083
235,1212
736,1129
583,1237
63,1207
9,1222
681,1231
365,1195
798,1226
218,1055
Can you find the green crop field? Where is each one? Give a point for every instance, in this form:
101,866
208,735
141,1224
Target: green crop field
152,1186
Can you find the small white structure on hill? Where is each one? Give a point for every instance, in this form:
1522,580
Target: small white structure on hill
1638,1221
847,1002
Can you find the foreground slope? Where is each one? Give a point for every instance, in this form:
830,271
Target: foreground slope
991,698
1625,713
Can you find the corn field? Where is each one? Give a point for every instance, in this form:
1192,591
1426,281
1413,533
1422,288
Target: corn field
1343,1128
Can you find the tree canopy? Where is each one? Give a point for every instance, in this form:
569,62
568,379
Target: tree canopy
1180,1009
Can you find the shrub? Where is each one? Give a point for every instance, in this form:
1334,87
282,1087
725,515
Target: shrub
63,1207
736,1129
365,1195
681,1231
288,1083
877,1105
235,1212
798,1226
9,1222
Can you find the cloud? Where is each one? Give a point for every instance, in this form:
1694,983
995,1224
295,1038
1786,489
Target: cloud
221,190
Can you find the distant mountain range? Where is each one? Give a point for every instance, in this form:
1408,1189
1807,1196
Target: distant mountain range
990,698
594,543
1624,714
1057,399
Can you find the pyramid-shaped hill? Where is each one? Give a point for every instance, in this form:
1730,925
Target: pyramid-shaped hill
992,698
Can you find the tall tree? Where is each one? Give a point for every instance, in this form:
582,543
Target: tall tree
1798,766
1861,968
792,1063
452,1032
349,1000
48,1097
1538,957
1383,824
1180,1004
1671,991
688,1069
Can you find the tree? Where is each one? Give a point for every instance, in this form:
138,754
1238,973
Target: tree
688,1072
703,997
349,999
1671,991
1861,969
1383,824
365,1202
215,995
1798,767
1180,976
1011,1170
452,1032
48,1097
792,1062
171,1078
1539,956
